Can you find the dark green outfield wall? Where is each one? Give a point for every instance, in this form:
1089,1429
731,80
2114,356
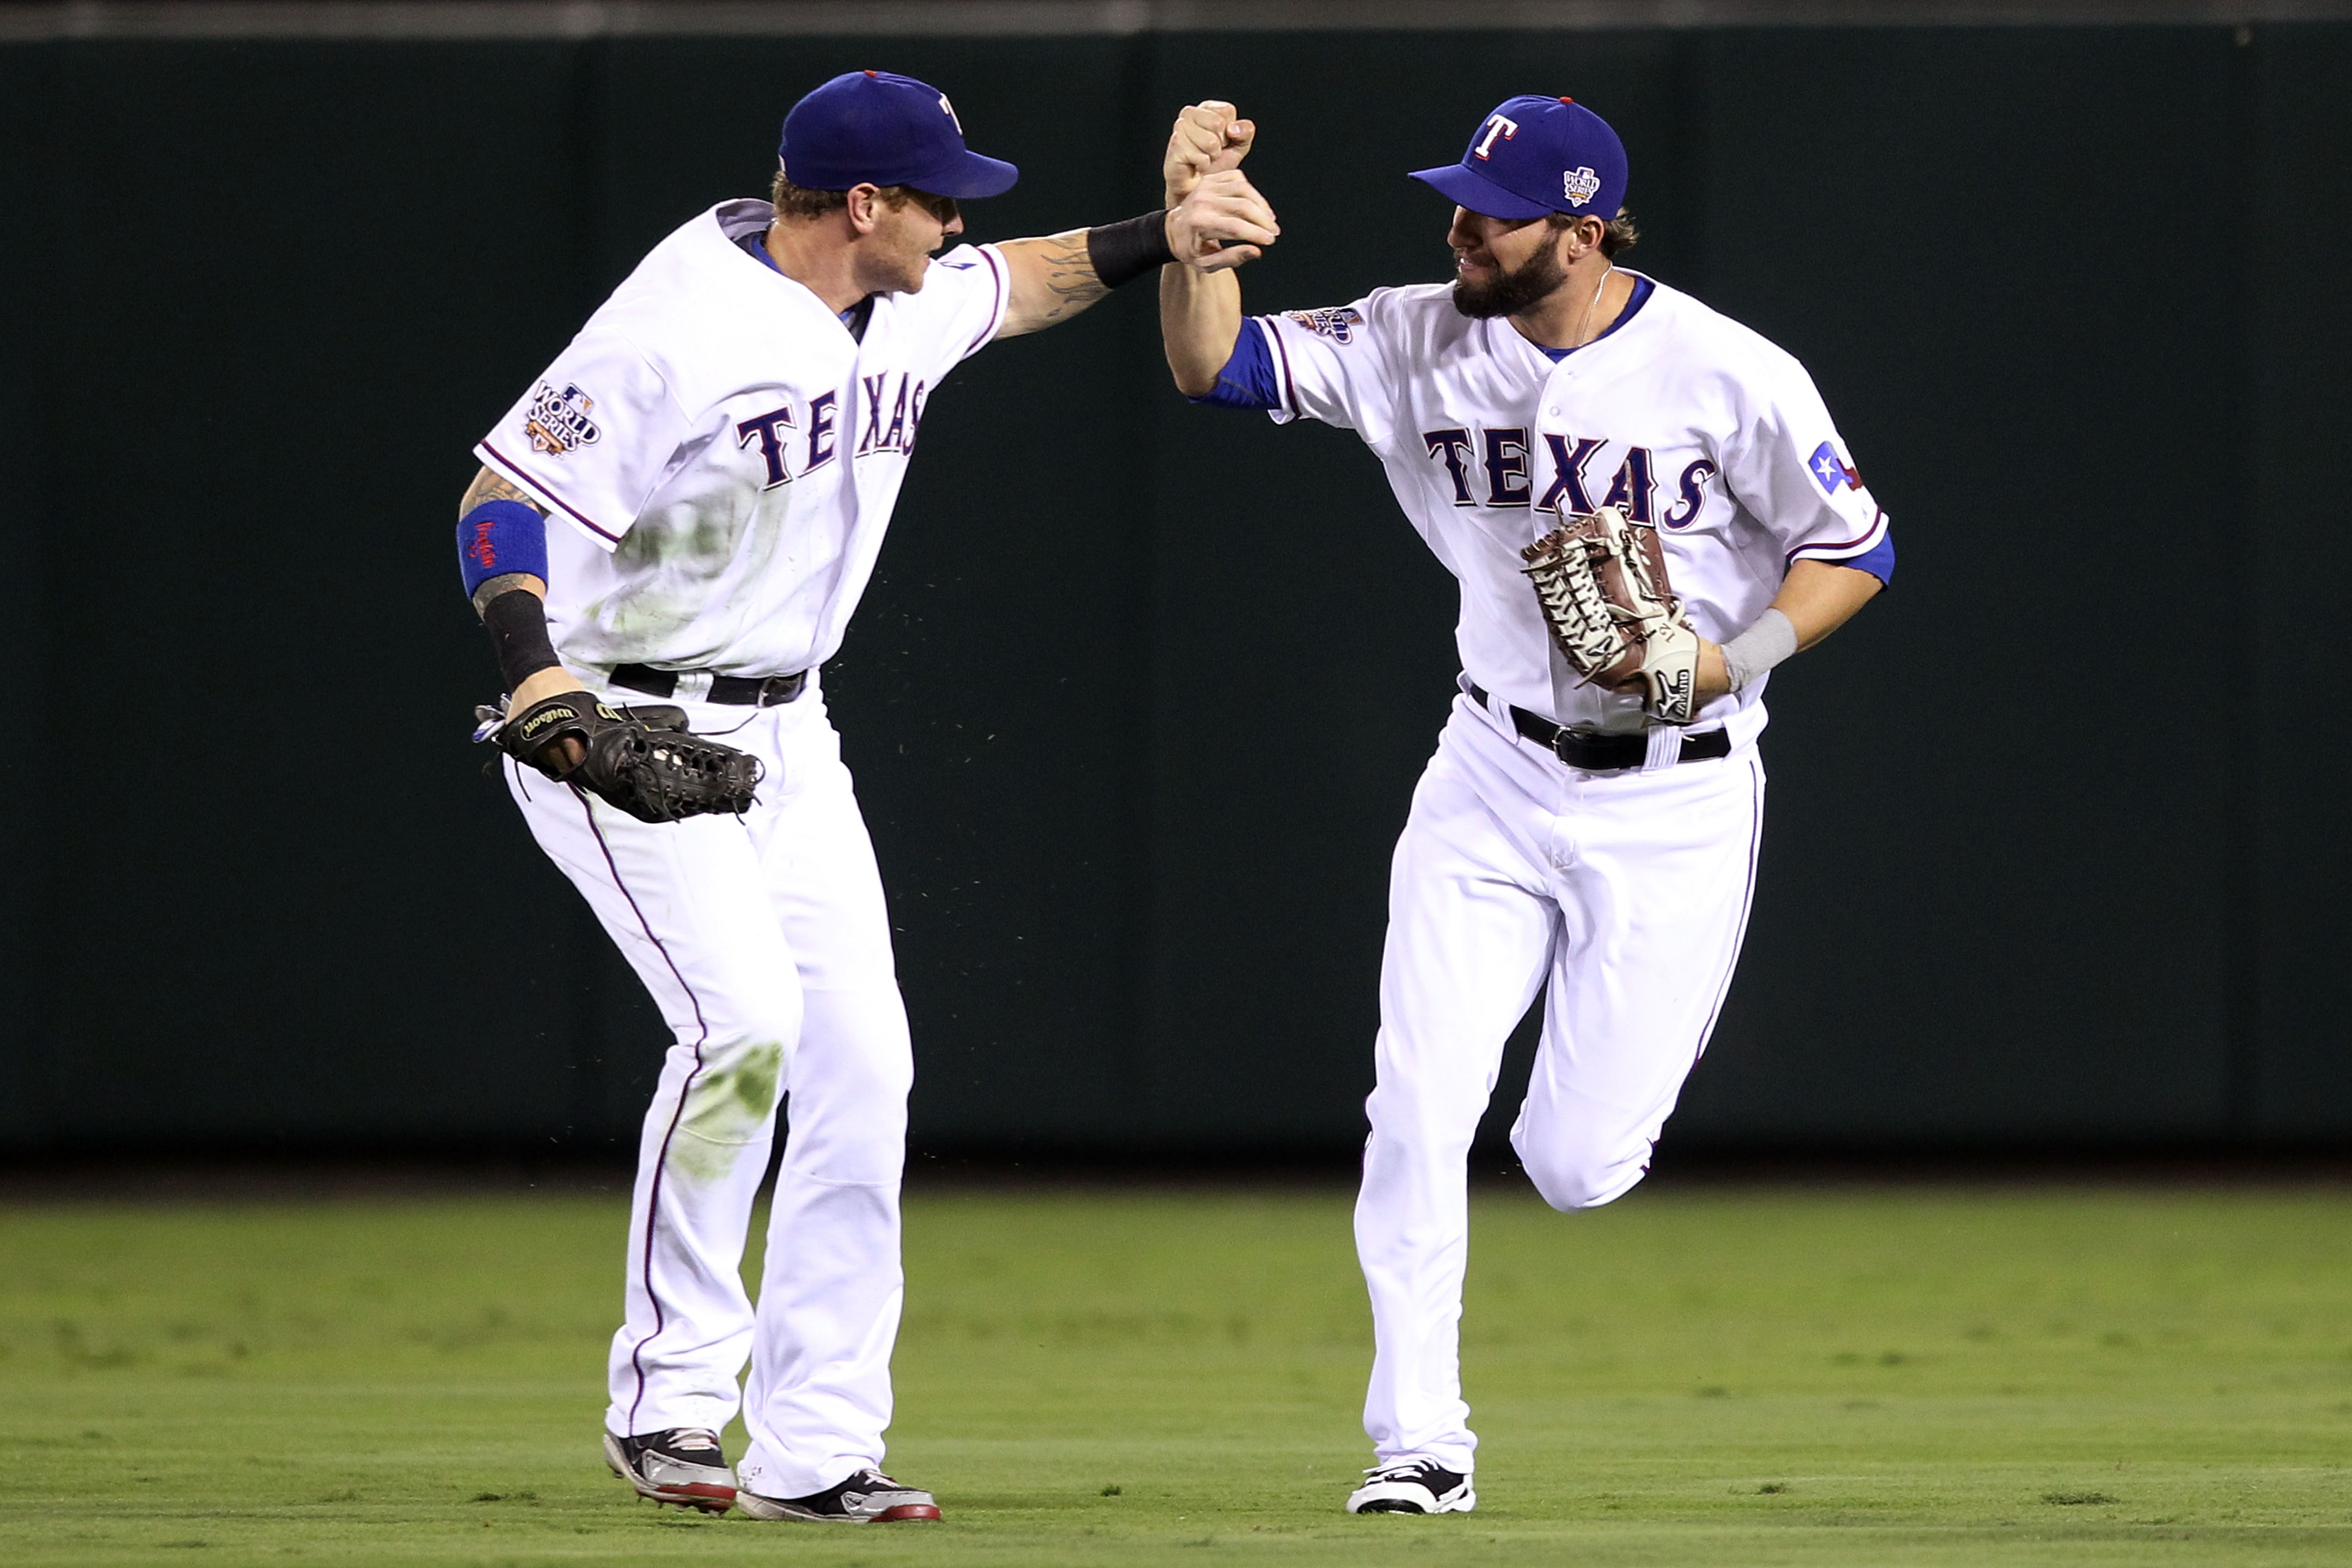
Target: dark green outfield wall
1141,691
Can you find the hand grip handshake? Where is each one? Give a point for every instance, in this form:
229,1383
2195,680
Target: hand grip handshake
1217,218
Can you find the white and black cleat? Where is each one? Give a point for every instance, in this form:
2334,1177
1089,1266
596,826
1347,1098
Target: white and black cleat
682,1465
868,1497
1412,1486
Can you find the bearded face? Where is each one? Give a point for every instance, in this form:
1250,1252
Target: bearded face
1497,292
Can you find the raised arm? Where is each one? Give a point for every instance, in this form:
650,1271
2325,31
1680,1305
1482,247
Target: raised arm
1201,307
1054,277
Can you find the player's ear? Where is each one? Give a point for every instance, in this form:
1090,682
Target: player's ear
865,208
1582,236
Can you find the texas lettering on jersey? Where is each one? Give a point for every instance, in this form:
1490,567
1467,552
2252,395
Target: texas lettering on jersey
801,441
1690,422
1491,468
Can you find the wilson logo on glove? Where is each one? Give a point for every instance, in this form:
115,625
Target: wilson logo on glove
641,760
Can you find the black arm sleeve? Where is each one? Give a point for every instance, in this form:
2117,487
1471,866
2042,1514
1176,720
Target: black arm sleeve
517,620
1126,250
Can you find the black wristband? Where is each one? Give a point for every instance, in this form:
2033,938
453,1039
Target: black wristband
1126,250
517,620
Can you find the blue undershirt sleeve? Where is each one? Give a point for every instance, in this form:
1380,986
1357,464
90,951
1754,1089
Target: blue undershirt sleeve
1248,380
1878,560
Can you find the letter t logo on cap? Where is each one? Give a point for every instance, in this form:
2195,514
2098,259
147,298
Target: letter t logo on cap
1497,126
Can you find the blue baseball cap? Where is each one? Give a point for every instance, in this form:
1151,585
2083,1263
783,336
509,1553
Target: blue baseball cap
1535,156
890,130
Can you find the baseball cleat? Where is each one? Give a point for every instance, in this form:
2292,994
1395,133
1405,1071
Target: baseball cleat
868,1497
681,1465
1412,1486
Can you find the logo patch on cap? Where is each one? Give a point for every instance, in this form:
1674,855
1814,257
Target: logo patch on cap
1581,185
951,113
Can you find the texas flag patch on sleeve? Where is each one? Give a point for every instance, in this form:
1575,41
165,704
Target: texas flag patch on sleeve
1830,470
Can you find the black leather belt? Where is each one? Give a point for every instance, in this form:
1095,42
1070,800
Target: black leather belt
740,690
1598,754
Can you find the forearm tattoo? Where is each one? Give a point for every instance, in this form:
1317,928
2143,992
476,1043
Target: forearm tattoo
1069,274
488,486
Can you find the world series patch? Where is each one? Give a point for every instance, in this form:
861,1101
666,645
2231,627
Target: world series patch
558,421
1338,323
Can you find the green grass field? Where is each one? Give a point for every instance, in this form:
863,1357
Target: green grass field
1719,1377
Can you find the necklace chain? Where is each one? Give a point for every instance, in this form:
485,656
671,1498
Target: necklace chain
1576,339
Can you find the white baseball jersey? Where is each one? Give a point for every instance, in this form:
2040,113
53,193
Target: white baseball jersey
728,453
1683,417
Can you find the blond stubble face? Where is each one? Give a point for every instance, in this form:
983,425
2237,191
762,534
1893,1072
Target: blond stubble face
895,256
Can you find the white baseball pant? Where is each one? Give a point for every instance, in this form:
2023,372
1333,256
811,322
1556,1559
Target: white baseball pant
1624,897
765,941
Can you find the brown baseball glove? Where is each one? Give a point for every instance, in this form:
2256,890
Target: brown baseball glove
1601,581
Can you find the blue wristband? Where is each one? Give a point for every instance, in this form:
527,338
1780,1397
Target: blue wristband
499,537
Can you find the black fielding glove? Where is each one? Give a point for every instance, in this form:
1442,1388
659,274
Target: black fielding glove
641,760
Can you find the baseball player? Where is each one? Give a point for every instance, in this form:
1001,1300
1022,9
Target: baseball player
718,450
1593,839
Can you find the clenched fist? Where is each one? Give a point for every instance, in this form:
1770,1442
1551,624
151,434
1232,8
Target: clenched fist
1208,138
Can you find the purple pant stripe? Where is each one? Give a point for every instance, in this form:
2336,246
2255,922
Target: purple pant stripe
653,1198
